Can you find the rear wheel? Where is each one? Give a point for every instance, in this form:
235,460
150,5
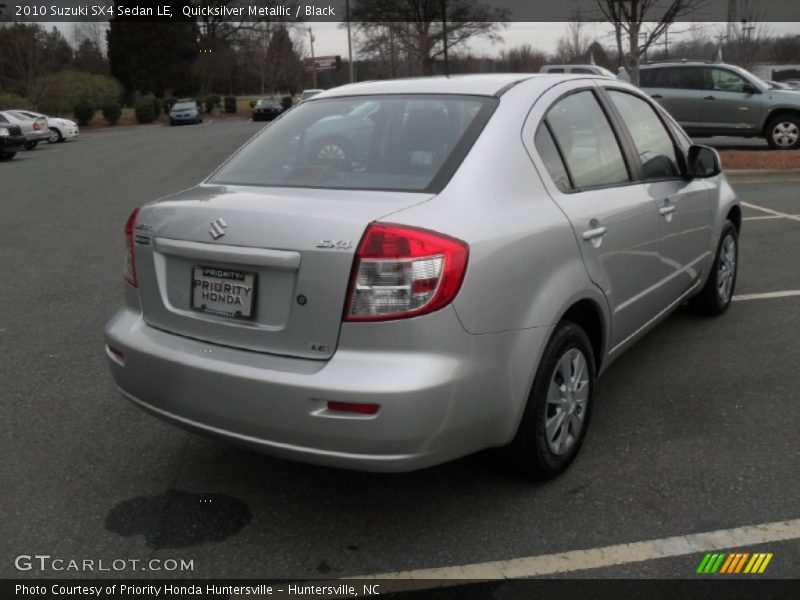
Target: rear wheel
7,155
556,416
31,145
716,295
783,132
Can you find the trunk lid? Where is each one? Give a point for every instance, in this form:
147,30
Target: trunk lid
282,257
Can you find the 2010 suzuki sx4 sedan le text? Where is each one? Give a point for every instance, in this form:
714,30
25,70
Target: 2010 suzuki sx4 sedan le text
398,273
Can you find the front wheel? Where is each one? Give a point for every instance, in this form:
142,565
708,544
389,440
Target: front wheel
55,136
334,152
31,145
556,416
716,295
783,132
7,155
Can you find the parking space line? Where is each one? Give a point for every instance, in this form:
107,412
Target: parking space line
766,295
607,556
762,218
770,211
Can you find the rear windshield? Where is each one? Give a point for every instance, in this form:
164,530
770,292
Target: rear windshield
391,142
183,105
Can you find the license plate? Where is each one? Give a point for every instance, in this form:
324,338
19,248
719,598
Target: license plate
223,292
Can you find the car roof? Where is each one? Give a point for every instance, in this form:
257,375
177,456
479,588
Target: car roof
685,63
493,84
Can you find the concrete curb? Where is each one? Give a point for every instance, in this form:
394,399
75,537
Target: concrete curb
749,172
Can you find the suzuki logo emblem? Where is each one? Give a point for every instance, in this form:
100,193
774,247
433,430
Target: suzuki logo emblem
218,228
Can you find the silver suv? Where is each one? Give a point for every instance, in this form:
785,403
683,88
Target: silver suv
459,287
710,99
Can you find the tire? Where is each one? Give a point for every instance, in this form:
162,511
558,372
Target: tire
783,132
541,450
31,145
55,136
171,123
7,155
715,297
335,152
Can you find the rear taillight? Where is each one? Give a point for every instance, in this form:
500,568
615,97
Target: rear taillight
130,257
403,272
36,126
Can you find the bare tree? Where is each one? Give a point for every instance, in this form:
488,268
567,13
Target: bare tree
414,28
628,16
574,45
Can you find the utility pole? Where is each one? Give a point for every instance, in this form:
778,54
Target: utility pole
666,42
313,59
349,40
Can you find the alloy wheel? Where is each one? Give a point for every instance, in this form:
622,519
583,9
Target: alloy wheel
726,272
786,134
567,399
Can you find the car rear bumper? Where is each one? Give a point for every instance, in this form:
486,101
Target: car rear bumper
436,404
12,143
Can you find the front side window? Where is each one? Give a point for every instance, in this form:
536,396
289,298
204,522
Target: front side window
723,80
587,142
392,142
653,143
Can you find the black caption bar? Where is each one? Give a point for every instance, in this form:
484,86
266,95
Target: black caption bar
428,589
363,10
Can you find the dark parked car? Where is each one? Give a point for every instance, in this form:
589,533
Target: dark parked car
185,111
267,109
11,139
710,99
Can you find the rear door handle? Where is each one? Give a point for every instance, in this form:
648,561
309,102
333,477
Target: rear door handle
709,98
591,234
666,210
657,96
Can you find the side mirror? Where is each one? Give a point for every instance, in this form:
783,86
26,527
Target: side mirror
703,162
748,88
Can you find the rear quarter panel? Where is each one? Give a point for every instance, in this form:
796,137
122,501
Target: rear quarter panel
524,268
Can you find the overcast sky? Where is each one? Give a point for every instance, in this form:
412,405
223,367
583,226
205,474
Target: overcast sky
330,39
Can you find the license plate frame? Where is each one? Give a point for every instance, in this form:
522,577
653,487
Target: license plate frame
217,278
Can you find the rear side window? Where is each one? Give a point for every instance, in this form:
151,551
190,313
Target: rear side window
653,143
3,119
552,159
581,70
557,70
681,78
586,141
391,142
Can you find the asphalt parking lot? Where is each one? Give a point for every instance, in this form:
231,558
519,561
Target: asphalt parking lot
697,430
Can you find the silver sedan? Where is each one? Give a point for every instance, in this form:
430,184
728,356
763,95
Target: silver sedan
454,277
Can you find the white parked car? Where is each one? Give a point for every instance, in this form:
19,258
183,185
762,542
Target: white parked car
61,130
33,128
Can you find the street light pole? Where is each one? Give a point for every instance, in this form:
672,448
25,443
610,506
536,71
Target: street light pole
313,59
349,40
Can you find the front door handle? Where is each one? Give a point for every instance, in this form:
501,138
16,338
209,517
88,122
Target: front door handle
657,96
709,98
592,234
666,210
